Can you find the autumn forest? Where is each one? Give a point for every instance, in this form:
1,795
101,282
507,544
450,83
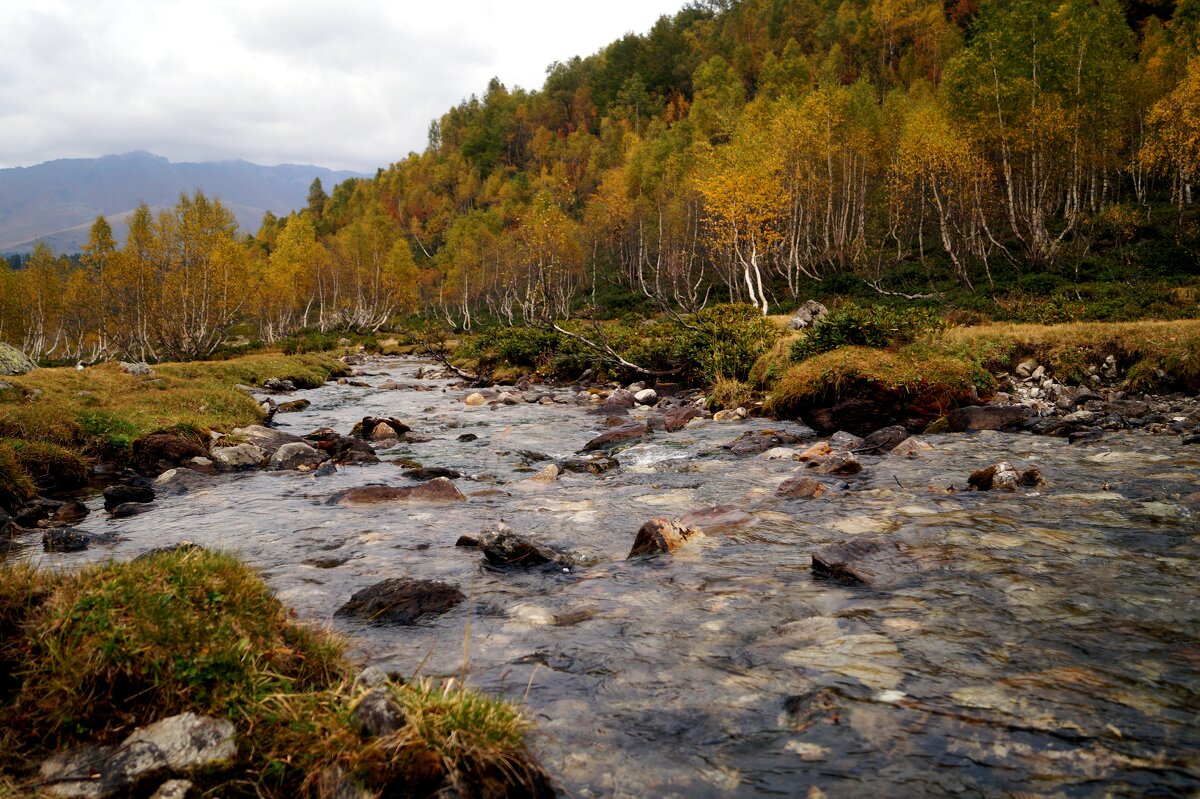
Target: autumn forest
995,156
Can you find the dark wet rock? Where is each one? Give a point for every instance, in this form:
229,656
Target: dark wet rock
36,511
401,600
805,487
1085,436
327,562
675,419
467,541
64,539
179,744
357,458
417,438
239,456
716,518
1191,438
1130,409
614,421
182,481
662,535
616,437
1084,396
156,452
183,547
883,440
503,547
122,493
873,561
1050,426
596,464
376,713
845,441
298,455
987,417
1002,475
340,448
430,472
822,705
326,469
438,489
755,442
911,447
530,456
839,464
127,509
295,406
468,437
856,415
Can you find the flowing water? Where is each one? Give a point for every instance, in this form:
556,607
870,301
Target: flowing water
1045,643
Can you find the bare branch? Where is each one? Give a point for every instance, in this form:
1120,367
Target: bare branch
612,355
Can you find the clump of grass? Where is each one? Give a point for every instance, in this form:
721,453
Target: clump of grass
771,365
727,393
15,484
91,654
915,378
47,464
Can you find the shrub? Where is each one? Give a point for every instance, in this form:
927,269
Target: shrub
15,485
875,326
726,394
724,341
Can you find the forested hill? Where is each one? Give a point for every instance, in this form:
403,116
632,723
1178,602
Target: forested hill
59,200
1007,159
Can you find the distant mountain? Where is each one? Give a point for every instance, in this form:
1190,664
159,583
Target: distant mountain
57,201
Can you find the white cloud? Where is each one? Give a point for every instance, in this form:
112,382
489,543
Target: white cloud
341,84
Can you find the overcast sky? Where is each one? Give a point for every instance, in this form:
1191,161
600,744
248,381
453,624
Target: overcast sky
349,85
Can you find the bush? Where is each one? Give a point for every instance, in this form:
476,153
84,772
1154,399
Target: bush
724,341
726,394
875,326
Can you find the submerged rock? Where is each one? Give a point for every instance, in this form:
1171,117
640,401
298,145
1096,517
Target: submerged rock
987,417
64,539
503,547
431,473
805,487
617,437
911,447
718,517
596,464
756,442
662,535
401,600
122,493
873,561
439,489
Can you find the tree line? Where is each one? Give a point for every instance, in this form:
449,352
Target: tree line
739,151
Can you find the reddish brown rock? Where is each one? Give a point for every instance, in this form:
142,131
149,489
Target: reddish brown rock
401,601
616,437
804,488
677,418
439,489
718,517
662,535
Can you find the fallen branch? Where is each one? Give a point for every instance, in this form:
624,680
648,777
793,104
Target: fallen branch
441,357
887,293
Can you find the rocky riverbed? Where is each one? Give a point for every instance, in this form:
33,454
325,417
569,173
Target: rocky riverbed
824,615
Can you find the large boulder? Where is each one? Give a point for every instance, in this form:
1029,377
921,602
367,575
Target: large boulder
401,600
239,456
267,438
14,362
677,418
807,315
987,417
662,535
440,489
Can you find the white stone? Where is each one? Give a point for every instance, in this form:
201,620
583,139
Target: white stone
239,456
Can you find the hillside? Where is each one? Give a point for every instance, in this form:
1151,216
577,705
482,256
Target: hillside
57,201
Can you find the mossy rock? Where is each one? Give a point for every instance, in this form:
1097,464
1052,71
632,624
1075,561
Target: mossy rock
14,362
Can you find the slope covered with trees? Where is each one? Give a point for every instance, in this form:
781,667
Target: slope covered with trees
1018,159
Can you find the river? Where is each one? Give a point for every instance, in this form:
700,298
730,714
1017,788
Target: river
1046,643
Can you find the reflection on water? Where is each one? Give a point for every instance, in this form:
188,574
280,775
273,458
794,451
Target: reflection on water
1048,645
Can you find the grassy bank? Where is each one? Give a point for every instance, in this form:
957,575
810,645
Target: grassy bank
85,657
55,422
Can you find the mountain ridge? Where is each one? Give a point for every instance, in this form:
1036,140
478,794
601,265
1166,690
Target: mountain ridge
57,201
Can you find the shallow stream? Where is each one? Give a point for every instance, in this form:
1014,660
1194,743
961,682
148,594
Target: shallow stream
1047,643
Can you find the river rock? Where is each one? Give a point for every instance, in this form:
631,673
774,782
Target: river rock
675,419
13,361
174,482
178,744
239,456
67,514
297,455
843,440
115,495
883,440
987,417
857,415
718,517
173,789
36,511
817,452
780,454
266,438
341,449
872,561
617,437
502,547
731,415
64,539
401,600
840,464
647,396
596,464
438,489
911,447
662,535
127,509
1002,475
156,452
295,406
808,314
1084,436
375,428
805,487
137,369
620,398
756,442
547,475
475,400
426,473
